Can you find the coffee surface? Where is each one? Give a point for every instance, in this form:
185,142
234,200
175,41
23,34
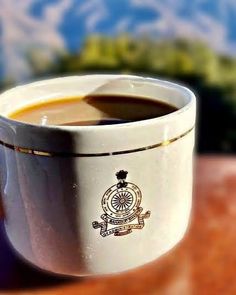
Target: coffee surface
92,110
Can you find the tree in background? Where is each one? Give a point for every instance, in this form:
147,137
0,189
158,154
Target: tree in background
192,63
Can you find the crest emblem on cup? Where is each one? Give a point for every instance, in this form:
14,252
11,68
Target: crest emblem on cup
121,206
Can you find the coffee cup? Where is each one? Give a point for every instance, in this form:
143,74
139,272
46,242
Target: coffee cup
63,187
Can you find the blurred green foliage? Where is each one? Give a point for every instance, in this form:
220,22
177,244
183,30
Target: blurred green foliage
211,76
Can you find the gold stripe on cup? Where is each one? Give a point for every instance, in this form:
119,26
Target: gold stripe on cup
63,154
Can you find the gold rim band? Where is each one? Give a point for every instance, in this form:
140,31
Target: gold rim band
62,154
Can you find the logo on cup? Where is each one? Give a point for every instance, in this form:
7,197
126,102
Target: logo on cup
121,206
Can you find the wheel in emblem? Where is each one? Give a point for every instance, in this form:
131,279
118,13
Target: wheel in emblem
120,203
122,200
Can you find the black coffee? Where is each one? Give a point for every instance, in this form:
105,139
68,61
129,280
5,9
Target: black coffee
92,110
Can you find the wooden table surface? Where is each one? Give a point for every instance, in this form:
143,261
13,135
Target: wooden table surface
204,263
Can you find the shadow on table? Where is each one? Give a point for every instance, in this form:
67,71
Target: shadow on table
17,275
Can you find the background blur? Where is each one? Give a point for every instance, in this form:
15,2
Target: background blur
193,42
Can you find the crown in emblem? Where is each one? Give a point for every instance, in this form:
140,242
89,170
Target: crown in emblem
121,176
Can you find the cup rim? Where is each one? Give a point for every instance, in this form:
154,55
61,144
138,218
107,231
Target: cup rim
161,82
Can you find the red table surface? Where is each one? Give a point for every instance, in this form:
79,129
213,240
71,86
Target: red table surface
204,262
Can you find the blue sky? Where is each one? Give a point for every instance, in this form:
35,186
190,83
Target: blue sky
52,25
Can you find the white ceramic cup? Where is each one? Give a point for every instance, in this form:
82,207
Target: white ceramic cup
63,188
